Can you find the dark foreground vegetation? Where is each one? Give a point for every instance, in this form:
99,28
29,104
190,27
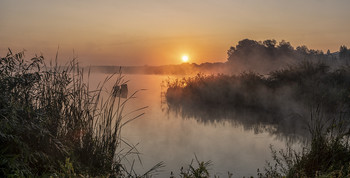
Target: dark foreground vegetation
53,124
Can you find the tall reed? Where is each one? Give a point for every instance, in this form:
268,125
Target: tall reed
50,117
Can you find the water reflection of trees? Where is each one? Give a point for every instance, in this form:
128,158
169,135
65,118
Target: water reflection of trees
287,127
264,103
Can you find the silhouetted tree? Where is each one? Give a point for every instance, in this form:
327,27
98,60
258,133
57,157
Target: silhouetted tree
270,46
247,46
267,55
231,51
344,53
302,50
247,50
285,49
270,43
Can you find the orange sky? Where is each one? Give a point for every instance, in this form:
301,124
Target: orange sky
157,32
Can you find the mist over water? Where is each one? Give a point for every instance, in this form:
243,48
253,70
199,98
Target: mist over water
231,120
235,142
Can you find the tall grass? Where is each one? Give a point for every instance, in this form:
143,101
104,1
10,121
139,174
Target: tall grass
199,171
51,122
327,154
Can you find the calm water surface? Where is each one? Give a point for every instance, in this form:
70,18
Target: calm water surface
164,135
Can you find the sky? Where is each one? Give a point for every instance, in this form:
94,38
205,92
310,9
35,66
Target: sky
160,32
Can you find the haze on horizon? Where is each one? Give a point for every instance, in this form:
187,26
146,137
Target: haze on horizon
151,32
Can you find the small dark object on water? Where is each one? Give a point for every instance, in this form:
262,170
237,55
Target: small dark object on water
124,91
120,91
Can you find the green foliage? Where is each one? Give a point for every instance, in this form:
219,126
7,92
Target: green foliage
68,169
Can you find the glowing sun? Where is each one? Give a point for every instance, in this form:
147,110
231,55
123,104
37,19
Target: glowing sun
185,58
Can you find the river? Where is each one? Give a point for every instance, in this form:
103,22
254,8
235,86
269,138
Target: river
175,138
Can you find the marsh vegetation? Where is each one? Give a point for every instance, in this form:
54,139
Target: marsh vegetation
53,124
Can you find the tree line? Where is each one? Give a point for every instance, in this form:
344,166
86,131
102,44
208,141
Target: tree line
270,55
